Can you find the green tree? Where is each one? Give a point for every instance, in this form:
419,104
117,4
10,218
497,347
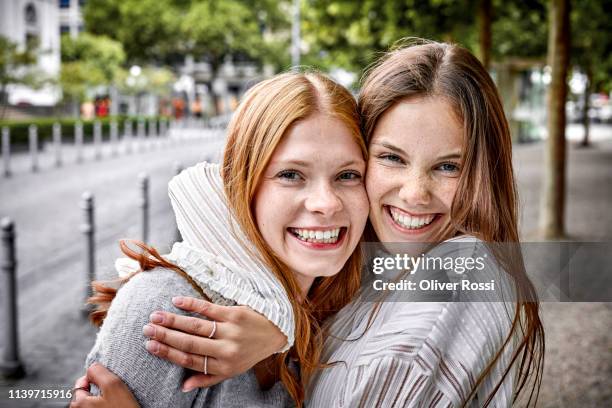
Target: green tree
15,68
552,212
147,29
218,30
351,34
88,61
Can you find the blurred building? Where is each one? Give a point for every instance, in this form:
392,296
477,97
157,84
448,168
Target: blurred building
70,17
233,78
34,21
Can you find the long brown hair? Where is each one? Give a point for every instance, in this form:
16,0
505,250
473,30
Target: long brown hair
486,203
262,119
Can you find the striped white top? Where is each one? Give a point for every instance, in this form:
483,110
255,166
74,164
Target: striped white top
217,256
415,354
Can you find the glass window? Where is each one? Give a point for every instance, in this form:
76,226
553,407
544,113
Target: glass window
30,14
64,3
64,29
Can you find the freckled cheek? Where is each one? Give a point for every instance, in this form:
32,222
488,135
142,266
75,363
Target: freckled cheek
356,205
446,192
379,184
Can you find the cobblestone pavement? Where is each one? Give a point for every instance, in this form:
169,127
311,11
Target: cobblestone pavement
55,338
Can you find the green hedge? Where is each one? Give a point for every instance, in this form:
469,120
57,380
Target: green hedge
19,128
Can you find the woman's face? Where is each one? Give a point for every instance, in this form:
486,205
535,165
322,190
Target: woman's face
413,169
311,206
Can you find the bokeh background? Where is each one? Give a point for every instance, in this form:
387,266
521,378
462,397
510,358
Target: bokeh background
94,93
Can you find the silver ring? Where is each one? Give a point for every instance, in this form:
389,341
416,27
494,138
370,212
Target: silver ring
205,365
212,333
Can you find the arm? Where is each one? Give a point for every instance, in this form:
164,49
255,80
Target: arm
242,338
119,344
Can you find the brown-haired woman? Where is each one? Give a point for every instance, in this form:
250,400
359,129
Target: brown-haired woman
293,178
439,170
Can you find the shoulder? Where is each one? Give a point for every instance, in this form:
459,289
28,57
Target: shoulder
141,295
152,289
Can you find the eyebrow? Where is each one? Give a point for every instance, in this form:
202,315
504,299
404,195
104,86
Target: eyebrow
454,155
302,163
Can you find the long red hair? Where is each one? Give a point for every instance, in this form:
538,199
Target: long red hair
259,124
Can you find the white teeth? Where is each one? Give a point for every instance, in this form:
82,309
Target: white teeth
327,237
411,222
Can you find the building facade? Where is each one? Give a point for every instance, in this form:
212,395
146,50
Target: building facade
23,21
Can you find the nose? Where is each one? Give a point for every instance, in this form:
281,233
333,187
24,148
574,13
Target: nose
416,190
323,199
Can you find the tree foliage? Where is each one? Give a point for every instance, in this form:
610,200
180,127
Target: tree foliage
147,29
89,61
163,31
16,67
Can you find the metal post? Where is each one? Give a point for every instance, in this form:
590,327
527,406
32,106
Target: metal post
178,167
152,133
163,127
10,364
97,136
57,144
143,180
6,151
140,134
114,131
33,136
88,230
295,35
127,135
78,141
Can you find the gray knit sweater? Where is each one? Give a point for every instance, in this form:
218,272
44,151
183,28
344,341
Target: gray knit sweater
153,381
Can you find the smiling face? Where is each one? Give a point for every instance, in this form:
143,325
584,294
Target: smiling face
311,206
415,159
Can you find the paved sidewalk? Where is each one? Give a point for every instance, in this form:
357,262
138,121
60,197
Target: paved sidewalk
54,335
55,338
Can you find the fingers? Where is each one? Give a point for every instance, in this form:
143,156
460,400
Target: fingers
183,341
187,360
208,309
192,325
79,395
103,378
201,381
81,382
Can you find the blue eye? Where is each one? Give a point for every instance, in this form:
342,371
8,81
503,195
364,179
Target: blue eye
449,167
349,175
391,157
290,175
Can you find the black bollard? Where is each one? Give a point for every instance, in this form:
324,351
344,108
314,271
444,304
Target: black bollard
6,151
57,144
143,181
97,136
88,229
78,141
33,136
114,132
10,363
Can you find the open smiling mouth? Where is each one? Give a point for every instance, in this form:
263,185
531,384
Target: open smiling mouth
319,238
411,223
